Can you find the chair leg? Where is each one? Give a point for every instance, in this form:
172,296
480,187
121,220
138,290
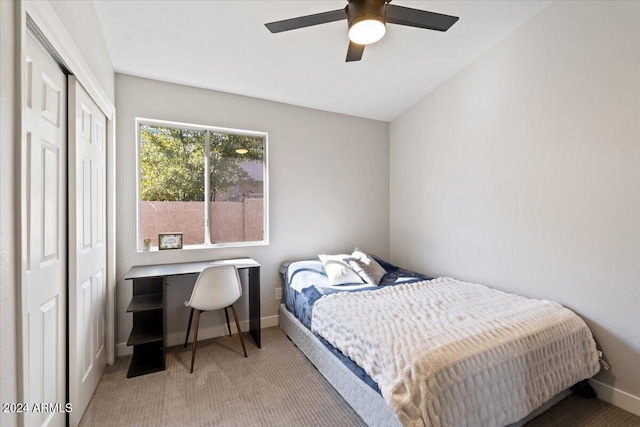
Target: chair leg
235,316
195,339
186,339
226,314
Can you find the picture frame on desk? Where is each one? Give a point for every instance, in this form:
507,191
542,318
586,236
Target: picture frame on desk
168,241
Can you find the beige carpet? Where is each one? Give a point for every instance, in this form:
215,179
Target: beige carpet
574,411
274,386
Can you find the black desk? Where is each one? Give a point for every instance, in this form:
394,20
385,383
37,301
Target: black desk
149,307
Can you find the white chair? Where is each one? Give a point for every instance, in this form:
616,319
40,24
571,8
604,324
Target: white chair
217,287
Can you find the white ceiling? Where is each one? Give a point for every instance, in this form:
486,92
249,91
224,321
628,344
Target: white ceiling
224,45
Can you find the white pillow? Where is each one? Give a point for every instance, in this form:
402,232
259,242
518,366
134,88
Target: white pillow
338,271
366,267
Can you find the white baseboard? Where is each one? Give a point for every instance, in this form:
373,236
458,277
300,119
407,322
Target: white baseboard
619,398
203,334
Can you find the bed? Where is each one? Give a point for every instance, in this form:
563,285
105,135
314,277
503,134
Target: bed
478,399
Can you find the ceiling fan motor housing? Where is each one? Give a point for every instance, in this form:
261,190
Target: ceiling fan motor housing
360,10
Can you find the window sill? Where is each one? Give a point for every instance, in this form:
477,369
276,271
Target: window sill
205,247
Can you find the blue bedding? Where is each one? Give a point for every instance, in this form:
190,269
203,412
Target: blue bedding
307,282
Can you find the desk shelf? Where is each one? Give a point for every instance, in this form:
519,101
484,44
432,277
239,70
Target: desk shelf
141,334
145,303
149,318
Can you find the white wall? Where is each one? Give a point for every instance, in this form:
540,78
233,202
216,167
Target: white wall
8,291
80,20
328,186
523,172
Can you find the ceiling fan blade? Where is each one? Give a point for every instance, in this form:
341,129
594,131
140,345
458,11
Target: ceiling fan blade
306,21
355,51
419,18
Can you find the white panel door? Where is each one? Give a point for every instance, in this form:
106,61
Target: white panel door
87,248
44,298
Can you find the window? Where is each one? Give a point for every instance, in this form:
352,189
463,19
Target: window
208,183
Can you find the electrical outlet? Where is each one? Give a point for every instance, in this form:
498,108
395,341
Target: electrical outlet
278,293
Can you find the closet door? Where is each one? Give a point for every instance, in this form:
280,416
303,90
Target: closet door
44,295
87,248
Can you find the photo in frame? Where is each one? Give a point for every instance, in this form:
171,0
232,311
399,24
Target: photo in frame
169,241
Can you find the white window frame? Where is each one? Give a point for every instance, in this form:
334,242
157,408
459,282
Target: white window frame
207,213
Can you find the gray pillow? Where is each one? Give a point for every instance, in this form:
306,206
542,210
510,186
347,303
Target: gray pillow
366,267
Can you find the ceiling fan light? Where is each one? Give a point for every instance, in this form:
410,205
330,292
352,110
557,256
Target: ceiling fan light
367,30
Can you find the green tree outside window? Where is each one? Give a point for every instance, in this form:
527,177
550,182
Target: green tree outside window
172,163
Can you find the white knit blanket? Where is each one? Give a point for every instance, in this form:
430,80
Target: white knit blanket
450,353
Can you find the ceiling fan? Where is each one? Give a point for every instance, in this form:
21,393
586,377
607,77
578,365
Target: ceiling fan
367,21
